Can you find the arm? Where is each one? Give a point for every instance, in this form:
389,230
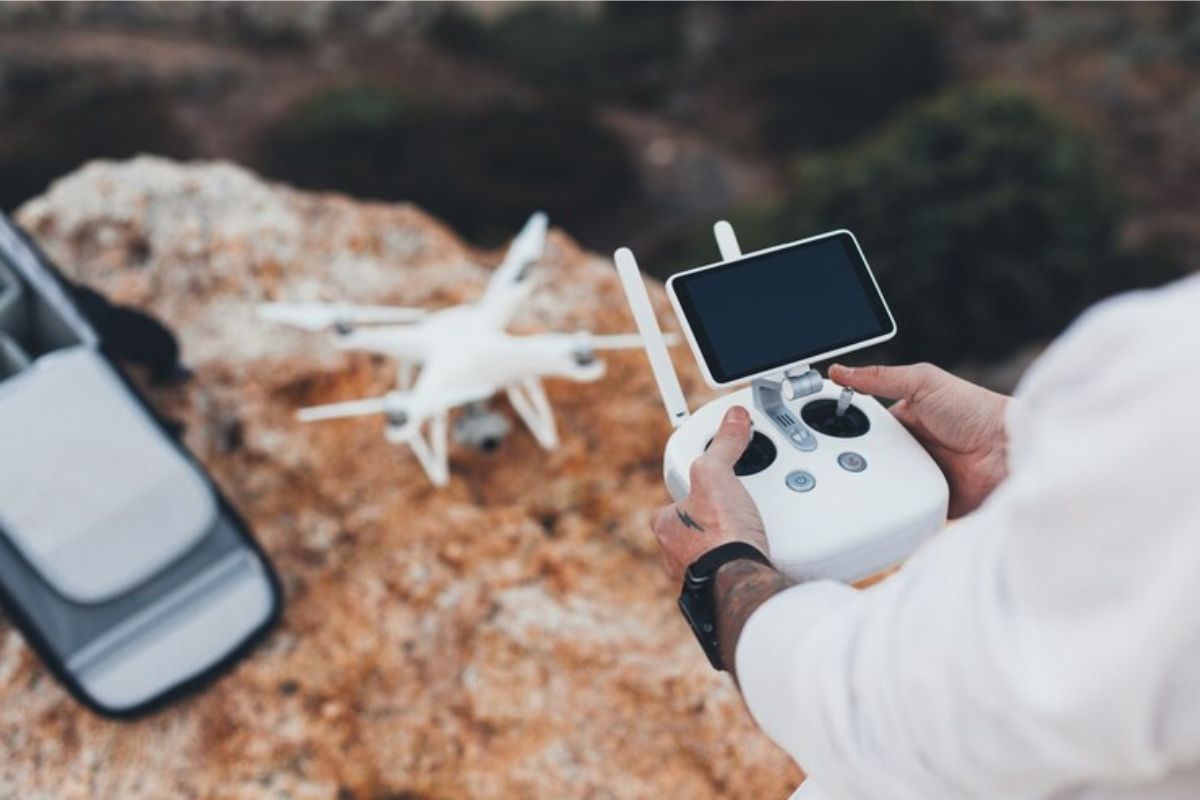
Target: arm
1044,642
1031,648
740,588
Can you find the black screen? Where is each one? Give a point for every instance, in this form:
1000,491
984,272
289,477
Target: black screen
777,308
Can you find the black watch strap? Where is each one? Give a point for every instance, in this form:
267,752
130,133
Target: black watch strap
696,597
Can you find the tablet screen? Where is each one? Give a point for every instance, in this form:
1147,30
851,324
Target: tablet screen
781,307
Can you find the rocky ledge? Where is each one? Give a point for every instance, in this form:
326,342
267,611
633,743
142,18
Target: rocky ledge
509,636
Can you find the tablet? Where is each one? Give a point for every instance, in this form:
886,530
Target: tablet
781,307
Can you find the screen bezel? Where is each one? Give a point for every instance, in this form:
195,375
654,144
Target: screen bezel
863,269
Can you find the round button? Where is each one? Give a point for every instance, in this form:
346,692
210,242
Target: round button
852,462
800,481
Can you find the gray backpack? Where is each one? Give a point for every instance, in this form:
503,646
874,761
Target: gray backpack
120,561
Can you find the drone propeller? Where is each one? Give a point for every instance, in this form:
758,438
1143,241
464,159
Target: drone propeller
317,316
401,407
623,341
526,248
349,408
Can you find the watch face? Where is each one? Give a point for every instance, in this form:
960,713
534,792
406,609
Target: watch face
696,606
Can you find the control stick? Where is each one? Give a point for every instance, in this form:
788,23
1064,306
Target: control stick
844,401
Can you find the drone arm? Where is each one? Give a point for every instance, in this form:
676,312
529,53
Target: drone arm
316,316
349,408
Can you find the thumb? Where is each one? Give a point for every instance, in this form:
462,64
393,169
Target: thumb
893,383
731,438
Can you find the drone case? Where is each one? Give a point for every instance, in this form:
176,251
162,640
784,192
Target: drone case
120,561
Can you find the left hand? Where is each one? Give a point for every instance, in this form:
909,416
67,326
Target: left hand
718,510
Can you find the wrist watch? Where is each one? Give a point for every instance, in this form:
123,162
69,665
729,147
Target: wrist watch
696,597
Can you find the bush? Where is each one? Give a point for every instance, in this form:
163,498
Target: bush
825,73
618,52
986,219
52,123
482,170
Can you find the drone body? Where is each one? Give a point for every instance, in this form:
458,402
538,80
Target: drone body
458,356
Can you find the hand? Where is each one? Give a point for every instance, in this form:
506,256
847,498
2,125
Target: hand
959,423
718,510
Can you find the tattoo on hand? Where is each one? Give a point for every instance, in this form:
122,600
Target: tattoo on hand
741,587
688,521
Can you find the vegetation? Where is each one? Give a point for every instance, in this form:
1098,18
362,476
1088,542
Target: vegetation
821,74
55,122
623,52
986,219
482,170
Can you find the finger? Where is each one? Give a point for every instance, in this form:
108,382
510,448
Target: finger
894,383
902,410
730,440
662,518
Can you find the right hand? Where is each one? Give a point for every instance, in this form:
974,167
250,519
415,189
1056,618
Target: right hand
959,423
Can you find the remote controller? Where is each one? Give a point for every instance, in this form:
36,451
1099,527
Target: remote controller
843,489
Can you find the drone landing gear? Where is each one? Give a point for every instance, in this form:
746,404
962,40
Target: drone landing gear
529,400
406,373
431,451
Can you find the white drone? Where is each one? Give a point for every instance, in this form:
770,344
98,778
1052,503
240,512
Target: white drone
464,357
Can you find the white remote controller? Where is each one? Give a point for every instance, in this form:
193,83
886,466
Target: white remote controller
843,489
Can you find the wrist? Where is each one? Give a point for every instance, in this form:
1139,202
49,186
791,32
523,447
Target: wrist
739,588
732,572
697,597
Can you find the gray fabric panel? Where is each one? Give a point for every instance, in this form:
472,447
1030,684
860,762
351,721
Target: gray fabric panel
92,492
68,626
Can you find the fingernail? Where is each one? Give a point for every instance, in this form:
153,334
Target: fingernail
842,368
737,414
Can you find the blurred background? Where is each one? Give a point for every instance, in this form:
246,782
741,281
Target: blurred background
1004,165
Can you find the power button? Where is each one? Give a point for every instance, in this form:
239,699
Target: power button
800,481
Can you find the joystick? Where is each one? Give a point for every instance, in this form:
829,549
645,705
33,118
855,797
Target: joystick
843,489
759,454
836,417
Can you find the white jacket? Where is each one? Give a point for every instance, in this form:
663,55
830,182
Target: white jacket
1047,645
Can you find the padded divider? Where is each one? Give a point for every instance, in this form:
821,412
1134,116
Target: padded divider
13,358
12,303
35,309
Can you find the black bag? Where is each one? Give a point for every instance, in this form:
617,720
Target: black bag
120,560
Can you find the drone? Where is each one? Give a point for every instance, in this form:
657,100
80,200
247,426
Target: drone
458,357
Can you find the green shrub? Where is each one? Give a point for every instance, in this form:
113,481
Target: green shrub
986,218
482,170
625,52
822,74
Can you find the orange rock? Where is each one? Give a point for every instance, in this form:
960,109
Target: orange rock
509,636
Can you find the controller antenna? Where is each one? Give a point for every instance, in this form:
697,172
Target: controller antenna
652,336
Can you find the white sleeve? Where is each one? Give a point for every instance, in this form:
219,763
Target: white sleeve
1041,642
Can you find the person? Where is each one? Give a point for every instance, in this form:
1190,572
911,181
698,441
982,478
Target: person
1047,643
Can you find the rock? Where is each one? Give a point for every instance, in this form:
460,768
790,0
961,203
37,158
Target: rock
509,636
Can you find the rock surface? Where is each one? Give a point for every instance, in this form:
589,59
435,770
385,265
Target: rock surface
509,636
